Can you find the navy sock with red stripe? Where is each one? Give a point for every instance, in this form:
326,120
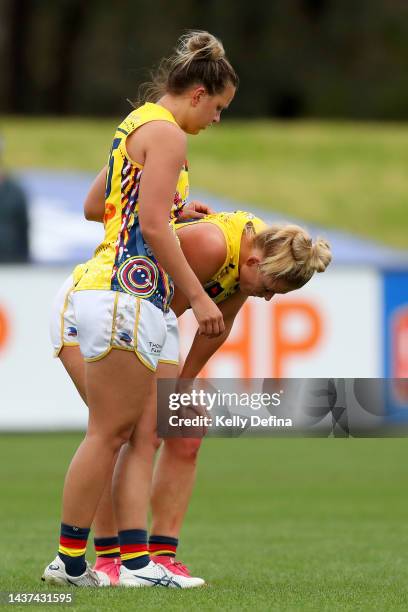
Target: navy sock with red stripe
162,545
134,553
107,548
72,548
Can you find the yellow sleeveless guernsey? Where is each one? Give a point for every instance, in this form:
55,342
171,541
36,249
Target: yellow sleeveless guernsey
225,281
124,261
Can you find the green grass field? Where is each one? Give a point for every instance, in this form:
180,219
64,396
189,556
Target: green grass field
274,525
351,176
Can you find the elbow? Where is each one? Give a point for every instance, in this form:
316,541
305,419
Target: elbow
89,212
153,232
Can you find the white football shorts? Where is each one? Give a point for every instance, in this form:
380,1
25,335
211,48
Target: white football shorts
98,320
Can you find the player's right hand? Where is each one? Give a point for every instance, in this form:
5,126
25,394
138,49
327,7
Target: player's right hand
209,316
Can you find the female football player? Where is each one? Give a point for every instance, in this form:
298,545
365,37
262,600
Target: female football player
121,301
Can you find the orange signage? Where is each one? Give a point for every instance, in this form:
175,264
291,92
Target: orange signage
285,340
4,328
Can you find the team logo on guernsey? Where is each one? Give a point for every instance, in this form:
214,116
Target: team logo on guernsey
214,289
138,276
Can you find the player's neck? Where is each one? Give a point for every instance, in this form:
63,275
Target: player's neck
245,247
176,106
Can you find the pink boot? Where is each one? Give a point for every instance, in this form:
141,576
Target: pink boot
109,566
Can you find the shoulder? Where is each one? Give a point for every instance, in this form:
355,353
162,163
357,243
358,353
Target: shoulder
159,139
162,132
204,238
204,247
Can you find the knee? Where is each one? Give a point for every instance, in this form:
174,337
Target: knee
122,436
184,449
115,438
145,443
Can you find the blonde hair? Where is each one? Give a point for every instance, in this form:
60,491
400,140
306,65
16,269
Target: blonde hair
199,58
289,253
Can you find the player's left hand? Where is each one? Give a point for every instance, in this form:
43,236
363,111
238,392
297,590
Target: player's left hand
195,210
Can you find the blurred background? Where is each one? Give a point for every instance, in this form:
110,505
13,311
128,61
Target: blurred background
317,133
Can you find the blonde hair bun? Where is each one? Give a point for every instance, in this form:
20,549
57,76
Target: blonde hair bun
315,257
320,255
301,244
289,252
200,45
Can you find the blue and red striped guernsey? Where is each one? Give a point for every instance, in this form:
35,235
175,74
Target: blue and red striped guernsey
124,260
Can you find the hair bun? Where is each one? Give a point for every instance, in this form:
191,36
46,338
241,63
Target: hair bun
321,255
315,256
301,246
201,45
289,253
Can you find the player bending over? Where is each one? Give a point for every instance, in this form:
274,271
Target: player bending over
234,255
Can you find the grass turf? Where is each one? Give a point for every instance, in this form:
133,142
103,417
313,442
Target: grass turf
274,525
350,176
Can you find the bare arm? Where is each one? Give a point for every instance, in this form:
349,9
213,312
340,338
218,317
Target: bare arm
165,154
205,249
94,205
204,348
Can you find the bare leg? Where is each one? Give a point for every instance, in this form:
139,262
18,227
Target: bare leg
173,483
174,477
104,524
73,362
134,471
175,470
116,388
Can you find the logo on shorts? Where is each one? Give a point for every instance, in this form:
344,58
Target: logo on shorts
72,332
139,276
125,337
155,348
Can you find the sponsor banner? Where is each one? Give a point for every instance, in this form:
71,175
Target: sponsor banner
330,328
396,341
332,407
36,393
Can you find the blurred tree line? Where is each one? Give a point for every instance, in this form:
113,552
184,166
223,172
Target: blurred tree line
325,58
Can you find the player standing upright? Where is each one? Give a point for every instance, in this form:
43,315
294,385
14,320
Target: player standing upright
121,301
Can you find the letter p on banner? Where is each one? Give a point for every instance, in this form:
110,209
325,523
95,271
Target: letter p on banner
296,328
